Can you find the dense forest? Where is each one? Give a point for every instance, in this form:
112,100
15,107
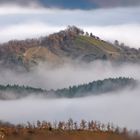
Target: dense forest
97,87
92,88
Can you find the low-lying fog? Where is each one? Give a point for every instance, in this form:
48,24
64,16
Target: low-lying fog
68,74
120,108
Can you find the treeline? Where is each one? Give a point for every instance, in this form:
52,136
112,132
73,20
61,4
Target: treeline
92,88
64,126
10,92
20,89
97,87
127,51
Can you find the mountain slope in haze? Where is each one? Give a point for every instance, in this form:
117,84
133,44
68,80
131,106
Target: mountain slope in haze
72,43
10,92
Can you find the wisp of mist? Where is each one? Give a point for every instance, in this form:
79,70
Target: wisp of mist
121,107
118,108
68,74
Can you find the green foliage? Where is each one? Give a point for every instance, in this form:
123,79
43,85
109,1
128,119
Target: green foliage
99,44
16,91
19,89
92,88
96,87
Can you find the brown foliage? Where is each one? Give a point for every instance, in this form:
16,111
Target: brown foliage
66,130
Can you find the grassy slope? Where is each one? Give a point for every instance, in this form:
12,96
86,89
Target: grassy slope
36,54
81,45
96,46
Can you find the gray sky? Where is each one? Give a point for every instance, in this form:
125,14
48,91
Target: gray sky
75,4
122,24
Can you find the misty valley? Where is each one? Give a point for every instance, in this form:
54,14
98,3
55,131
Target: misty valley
67,91
69,71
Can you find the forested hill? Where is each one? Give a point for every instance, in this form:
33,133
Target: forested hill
97,87
10,92
71,43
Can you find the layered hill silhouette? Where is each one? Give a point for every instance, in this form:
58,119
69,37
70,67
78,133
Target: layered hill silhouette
12,92
72,43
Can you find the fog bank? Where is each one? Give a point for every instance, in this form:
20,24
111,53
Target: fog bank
119,108
43,76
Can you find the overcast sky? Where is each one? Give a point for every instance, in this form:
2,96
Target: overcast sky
109,19
75,4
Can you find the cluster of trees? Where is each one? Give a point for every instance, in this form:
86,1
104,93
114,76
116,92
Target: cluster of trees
93,36
59,39
12,51
20,89
73,125
10,92
92,88
96,87
16,46
61,126
126,49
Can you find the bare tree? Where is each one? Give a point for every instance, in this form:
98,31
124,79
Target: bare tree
70,124
83,124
